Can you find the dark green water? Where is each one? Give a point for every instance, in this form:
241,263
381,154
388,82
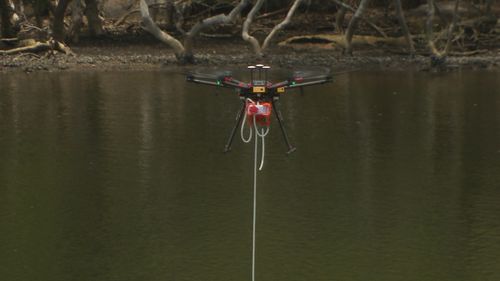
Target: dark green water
120,176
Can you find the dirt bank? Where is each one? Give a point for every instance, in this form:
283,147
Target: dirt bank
149,55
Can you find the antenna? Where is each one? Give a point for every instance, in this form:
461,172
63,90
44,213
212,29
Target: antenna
260,66
251,68
266,68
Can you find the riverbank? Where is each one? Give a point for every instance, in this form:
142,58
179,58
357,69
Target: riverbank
109,56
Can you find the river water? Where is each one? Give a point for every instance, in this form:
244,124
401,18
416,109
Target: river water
121,176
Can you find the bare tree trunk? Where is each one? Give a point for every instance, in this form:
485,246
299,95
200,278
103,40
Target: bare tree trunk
93,19
370,23
76,20
437,11
352,24
164,37
437,56
246,26
429,25
184,52
39,7
215,20
58,24
404,27
6,14
339,19
451,29
282,24
179,22
488,4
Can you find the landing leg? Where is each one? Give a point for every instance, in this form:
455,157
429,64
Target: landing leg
227,148
282,126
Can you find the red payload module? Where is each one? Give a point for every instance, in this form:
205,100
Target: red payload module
262,112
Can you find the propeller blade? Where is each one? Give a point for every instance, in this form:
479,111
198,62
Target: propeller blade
211,73
310,73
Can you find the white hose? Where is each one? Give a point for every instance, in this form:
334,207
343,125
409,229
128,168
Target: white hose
258,134
263,146
262,136
254,206
243,128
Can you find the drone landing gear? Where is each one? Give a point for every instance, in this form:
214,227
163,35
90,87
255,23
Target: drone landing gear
281,122
227,148
279,117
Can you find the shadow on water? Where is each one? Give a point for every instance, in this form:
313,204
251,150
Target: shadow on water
120,176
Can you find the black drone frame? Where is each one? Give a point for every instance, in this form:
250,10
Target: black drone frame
261,90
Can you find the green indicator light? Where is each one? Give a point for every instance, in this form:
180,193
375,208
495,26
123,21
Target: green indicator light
293,83
218,82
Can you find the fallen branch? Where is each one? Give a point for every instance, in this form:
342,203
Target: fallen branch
35,48
333,40
10,41
61,47
38,47
26,54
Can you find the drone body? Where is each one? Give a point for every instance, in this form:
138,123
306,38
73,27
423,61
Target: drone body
260,97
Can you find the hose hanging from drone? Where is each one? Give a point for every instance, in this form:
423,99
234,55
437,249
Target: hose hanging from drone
259,114
256,113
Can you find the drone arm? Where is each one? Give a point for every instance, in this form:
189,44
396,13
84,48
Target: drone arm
280,84
302,82
235,83
225,81
204,80
307,83
298,83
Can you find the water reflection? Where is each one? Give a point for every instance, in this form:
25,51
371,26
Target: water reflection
120,176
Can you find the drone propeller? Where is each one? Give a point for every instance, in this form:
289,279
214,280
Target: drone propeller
216,77
310,73
211,73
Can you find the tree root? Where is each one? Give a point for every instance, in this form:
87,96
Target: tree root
38,47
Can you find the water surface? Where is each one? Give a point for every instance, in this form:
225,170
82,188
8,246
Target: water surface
121,176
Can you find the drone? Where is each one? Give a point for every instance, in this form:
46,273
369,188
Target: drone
260,96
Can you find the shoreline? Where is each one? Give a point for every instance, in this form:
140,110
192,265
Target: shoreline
152,57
